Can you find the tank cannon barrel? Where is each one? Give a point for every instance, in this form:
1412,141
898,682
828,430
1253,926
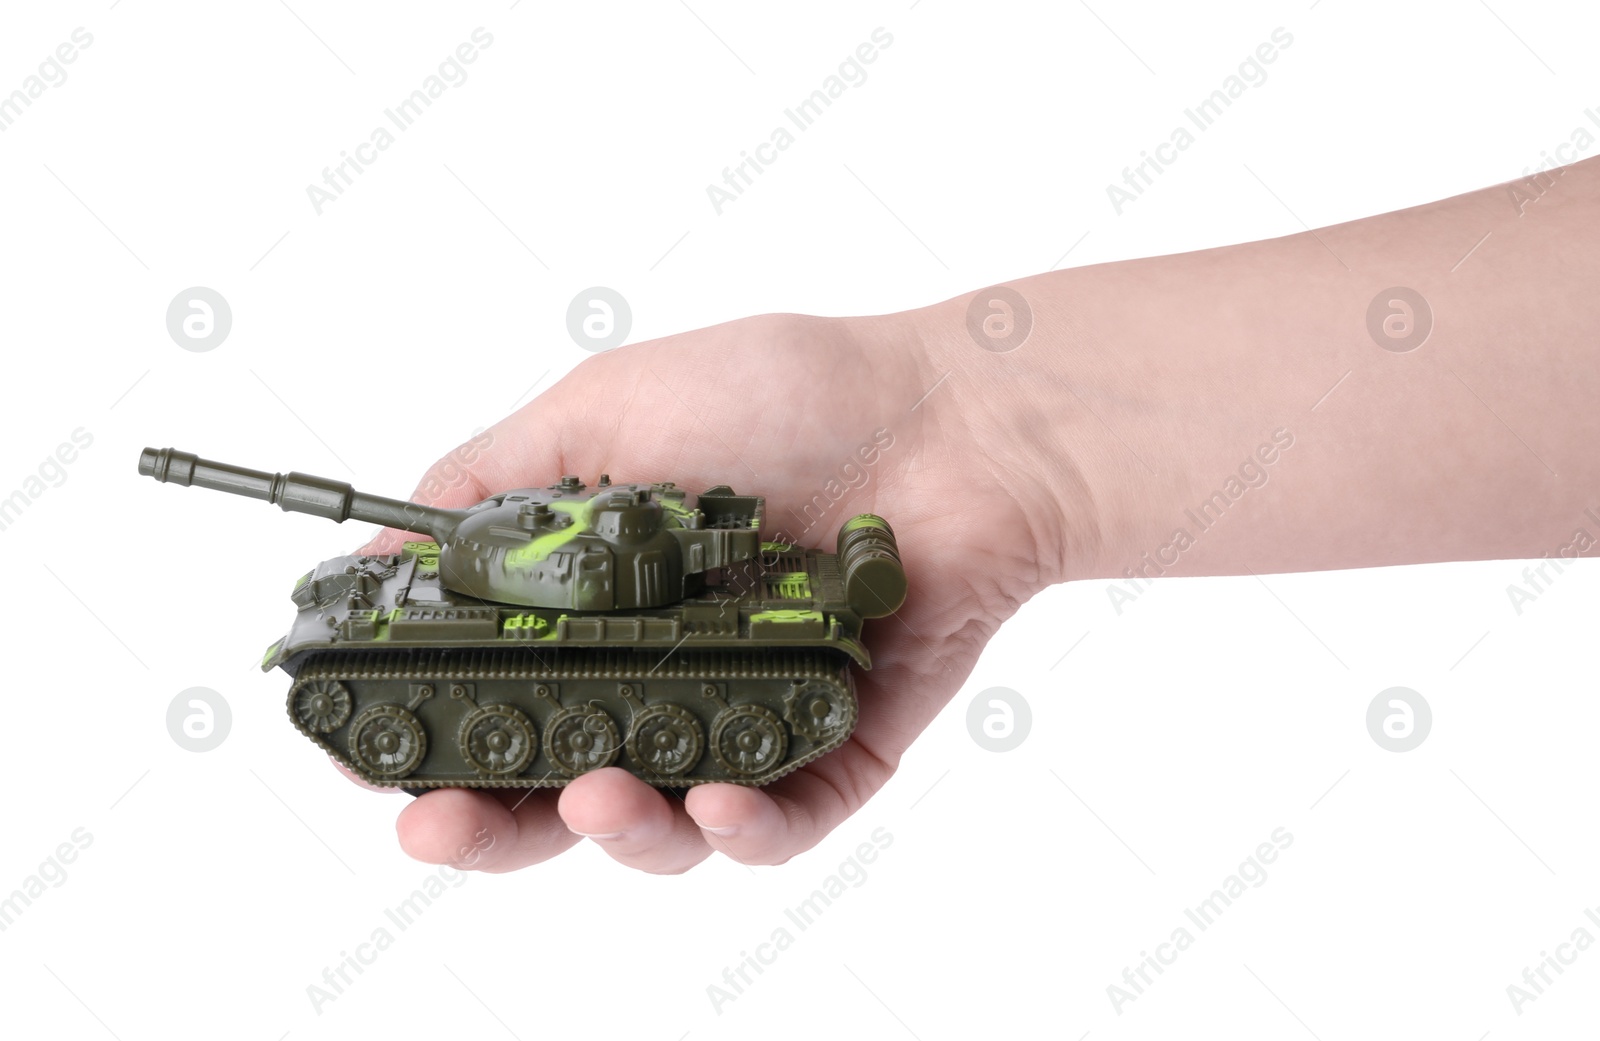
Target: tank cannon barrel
297,492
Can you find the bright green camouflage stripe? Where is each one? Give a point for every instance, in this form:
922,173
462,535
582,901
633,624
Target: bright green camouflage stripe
541,546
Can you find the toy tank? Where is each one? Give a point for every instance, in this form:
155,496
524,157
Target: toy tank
544,632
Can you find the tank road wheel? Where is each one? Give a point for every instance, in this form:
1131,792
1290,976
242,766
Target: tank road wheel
581,738
320,706
666,740
387,741
748,740
821,710
498,741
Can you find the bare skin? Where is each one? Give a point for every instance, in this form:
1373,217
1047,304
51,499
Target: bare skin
1142,387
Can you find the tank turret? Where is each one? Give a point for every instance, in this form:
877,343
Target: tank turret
607,548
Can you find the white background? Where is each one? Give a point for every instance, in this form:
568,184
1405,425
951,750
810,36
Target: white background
423,304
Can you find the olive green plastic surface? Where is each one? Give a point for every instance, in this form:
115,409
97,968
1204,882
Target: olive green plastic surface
545,632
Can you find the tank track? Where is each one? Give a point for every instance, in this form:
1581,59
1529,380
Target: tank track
522,718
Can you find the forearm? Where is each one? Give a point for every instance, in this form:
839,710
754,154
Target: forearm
1146,390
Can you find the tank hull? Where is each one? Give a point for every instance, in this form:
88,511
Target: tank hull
410,685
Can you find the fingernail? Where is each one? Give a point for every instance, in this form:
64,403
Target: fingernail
601,836
721,833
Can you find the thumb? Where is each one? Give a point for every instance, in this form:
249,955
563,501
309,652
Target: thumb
519,451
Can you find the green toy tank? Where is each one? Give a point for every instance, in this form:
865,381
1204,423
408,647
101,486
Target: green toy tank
544,632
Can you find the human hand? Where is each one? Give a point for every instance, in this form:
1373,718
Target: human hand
1138,389
779,406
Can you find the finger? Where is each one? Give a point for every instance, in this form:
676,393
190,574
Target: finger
359,781
634,823
515,451
770,825
481,830
443,484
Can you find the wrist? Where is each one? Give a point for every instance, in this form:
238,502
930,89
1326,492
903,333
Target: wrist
991,391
